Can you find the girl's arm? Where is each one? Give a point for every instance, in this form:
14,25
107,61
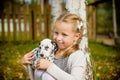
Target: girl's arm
76,67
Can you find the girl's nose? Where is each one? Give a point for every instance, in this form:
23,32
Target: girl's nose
58,37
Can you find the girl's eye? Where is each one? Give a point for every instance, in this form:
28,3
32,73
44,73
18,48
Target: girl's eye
56,33
64,34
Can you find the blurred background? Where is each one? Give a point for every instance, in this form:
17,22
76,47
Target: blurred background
23,23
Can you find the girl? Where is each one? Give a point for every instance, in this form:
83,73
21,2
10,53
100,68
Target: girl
70,61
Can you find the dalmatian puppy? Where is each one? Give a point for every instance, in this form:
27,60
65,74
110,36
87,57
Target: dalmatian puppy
46,50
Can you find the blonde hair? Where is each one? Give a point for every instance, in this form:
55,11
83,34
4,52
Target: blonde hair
77,27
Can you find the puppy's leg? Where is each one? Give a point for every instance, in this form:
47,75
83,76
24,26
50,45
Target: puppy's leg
30,72
29,67
38,74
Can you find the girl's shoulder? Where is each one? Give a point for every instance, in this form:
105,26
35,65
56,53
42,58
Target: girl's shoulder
77,54
77,59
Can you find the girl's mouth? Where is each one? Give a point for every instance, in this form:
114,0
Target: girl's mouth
59,43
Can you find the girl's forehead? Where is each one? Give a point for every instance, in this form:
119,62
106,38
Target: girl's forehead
63,24
64,28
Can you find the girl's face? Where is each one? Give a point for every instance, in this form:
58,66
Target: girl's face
64,35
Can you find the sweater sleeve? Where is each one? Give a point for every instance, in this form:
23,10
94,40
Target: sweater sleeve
76,68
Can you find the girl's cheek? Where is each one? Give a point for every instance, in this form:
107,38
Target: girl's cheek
54,37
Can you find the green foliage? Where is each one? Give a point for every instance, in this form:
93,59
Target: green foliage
90,1
104,15
104,18
105,61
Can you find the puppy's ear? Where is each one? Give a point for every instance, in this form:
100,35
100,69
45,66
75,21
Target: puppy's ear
55,46
53,43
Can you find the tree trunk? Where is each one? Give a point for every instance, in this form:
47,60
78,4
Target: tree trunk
114,19
56,8
78,7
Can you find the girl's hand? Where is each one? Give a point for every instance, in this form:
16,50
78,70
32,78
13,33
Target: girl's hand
27,59
43,64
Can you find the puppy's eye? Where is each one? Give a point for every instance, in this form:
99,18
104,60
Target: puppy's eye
46,48
39,47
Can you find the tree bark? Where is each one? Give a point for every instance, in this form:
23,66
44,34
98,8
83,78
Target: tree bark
56,8
114,19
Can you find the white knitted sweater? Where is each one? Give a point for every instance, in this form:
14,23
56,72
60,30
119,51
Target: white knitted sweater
76,67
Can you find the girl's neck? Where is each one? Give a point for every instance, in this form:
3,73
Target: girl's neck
59,53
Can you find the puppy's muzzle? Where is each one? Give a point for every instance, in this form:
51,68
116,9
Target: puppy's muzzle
42,55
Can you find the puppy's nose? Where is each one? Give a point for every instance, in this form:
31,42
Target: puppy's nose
42,55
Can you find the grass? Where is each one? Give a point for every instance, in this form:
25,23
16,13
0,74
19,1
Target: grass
10,55
105,60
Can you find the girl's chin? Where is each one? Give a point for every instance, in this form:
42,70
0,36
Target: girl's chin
60,47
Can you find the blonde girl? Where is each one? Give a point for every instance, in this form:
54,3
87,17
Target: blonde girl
70,61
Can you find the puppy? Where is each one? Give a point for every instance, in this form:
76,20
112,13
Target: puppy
46,50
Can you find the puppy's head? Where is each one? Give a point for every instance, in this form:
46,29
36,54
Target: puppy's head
47,47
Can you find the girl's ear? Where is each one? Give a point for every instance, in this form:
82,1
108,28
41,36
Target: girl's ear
77,36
